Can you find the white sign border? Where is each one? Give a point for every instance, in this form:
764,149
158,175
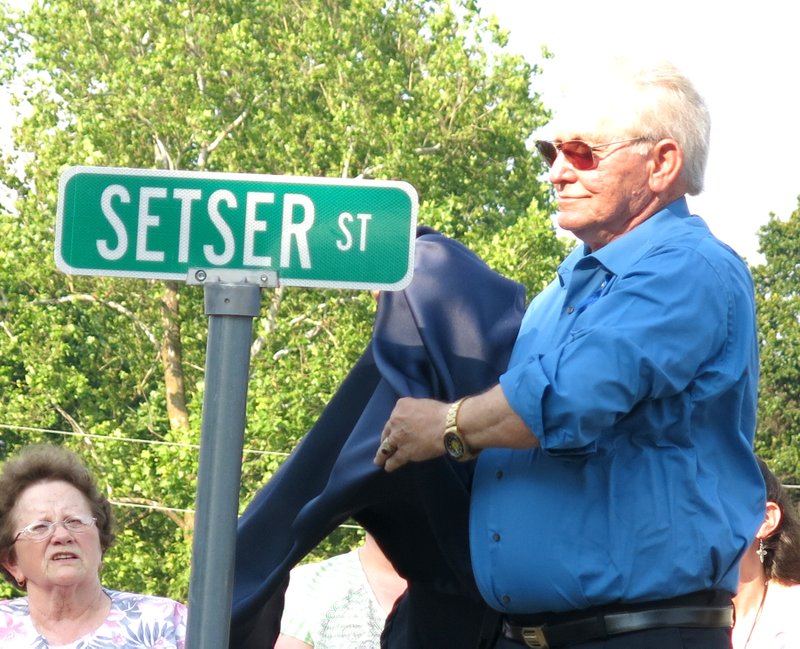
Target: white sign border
402,185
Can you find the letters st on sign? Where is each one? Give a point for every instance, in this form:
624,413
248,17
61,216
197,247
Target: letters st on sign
153,224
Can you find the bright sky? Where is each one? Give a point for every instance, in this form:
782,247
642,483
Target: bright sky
742,55
744,59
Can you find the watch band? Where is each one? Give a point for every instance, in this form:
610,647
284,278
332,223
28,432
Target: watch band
454,443
452,416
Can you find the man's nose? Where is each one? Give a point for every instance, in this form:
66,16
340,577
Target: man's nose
562,170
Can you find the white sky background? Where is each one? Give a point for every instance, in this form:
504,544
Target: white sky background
744,58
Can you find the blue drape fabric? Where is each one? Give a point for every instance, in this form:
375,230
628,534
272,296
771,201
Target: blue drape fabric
447,335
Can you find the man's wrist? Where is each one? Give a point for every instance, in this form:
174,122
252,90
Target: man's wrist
454,443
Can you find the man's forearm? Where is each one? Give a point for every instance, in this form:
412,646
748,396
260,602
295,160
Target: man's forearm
487,420
415,429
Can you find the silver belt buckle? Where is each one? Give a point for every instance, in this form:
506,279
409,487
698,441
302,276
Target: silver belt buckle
534,637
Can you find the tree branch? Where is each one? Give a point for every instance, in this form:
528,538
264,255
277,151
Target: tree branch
162,156
76,427
115,306
268,323
8,331
206,150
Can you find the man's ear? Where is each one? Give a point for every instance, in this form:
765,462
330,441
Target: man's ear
772,520
665,164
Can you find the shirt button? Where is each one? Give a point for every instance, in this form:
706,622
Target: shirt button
506,600
499,474
603,285
570,310
495,537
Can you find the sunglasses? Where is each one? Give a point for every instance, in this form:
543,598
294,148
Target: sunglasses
577,152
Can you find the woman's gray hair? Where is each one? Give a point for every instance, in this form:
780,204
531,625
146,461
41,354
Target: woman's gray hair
48,463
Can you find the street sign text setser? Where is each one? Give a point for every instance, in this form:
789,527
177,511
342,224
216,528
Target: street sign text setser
153,224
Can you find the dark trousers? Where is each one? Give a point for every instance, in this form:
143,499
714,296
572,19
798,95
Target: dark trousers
651,639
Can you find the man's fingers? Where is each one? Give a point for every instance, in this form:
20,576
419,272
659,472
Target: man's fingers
387,448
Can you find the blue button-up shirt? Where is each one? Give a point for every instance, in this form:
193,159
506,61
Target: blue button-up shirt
637,370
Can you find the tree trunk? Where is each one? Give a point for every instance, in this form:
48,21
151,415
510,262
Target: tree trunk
172,359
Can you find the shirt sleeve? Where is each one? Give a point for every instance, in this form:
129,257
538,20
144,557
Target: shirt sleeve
663,329
299,610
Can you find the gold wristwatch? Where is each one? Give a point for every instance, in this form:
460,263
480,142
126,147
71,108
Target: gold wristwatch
454,443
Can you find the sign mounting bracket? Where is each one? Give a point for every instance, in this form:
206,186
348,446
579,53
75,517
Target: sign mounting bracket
204,276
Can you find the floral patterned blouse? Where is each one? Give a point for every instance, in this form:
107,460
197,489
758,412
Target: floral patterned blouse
134,621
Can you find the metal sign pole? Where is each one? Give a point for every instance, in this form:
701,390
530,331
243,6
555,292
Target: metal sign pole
159,224
231,309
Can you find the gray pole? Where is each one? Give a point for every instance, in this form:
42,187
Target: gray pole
231,309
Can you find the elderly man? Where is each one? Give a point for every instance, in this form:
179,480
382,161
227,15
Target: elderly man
615,487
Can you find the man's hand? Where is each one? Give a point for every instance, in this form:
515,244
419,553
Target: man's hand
413,433
415,430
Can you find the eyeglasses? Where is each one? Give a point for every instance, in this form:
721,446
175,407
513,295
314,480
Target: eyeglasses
41,530
577,152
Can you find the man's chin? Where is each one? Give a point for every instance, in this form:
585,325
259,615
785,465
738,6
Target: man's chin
570,221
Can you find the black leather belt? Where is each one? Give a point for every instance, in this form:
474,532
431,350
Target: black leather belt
602,626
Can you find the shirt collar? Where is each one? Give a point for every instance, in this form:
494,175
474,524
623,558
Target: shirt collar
625,251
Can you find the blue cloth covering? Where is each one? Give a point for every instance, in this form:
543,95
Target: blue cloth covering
448,334
637,369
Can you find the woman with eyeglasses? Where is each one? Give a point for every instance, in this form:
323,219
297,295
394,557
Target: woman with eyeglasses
767,602
55,527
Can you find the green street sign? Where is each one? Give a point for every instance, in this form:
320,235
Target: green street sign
153,224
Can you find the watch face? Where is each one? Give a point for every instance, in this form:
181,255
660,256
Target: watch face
454,446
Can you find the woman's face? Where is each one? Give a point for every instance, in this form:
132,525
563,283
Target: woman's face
65,558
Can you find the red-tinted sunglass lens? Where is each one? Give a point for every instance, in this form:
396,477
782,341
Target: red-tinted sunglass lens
579,154
547,150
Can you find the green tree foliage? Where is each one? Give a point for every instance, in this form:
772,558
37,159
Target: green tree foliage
398,89
778,302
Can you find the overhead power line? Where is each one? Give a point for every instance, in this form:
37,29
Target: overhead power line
135,440
119,503
132,440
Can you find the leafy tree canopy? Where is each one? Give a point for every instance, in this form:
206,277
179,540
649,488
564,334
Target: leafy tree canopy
778,302
399,89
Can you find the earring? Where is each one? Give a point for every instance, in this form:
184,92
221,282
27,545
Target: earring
21,582
761,552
